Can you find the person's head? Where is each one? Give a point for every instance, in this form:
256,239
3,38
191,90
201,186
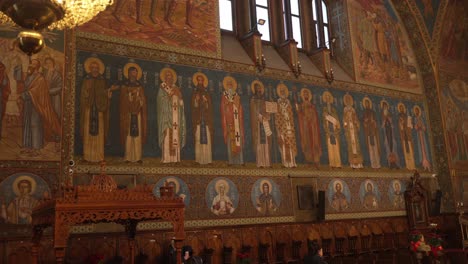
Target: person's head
315,248
200,82
132,73
367,104
187,252
24,187
266,188
397,187
222,189
384,105
369,187
94,69
338,187
34,66
49,63
169,78
401,108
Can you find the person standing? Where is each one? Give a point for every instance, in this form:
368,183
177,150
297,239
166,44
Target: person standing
260,124
133,113
423,147
389,135
171,117
55,81
232,121
332,127
202,119
94,112
40,122
286,132
405,126
371,133
309,128
315,255
351,128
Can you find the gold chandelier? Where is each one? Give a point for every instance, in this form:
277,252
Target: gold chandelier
36,15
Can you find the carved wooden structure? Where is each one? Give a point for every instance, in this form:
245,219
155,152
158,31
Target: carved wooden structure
417,204
102,202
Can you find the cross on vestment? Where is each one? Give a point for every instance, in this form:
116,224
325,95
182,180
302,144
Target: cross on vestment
236,114
237,137
174,105
175,125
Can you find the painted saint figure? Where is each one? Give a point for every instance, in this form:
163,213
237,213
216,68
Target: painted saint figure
19,210
222,204
232,121
423,147
171,117
309,128
370,200
398,200
286,132
260,124
371,133
40,122
266,204
4,93
351,129
405,126
389,135
94,112
55,81
339,201
133,113
202,119
332,127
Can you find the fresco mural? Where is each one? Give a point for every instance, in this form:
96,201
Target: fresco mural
428,9
183,26
396,194
20,193
31,98
339,195
370,195
454,38
144,104
266,197
222,197
180,188
382,51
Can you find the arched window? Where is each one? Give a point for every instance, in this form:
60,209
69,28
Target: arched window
320,18
226,19
294,14
261,7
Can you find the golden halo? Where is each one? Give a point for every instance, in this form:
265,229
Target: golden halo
417,107
176,183
205,79
366,99
24,177
340,182
394,184
252,86
225,81
304,91
366,182
382,103
348,100
223,182
270,187
282,87
329,95
88,61
132,64
401,104
164,71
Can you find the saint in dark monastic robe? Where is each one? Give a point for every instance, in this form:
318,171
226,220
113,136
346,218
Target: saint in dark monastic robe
389,135
94,112
202,119
133,115
309,128
260,124
371,133
405,126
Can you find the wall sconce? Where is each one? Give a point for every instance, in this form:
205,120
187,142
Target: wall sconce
297,68
261,21
260,62
329,75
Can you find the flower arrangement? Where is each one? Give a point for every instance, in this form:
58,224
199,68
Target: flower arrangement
435,242
415,239
243,258
418,243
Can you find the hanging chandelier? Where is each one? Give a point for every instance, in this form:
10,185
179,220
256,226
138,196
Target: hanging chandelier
37,15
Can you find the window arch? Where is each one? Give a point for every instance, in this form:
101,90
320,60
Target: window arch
293,12
321,23
261,9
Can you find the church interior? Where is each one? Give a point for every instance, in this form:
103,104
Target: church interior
247,130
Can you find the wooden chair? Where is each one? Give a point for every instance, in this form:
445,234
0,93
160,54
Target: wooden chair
366,254
263,253
280,253
227,255
207,255
295,252
463,220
